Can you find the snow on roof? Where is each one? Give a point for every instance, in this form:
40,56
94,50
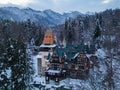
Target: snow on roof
53,71
76,55
48,46
39,55
89,55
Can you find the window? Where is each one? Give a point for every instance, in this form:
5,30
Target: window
79,60
39,61
73,66
56,66
81,67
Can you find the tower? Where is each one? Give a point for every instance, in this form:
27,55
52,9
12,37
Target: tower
46,48
49,38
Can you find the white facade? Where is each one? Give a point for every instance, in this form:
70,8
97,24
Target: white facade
40,62
35,63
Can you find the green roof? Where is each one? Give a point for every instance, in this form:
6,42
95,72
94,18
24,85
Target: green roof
70,51
59,52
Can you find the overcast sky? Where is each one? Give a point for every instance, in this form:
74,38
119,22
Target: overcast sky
64,5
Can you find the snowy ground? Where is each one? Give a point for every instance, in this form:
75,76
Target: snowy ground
96,80
116,71
67,84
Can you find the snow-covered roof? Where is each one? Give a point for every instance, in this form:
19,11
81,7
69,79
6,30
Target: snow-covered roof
53,71
48,46
89,55
76,55
39,56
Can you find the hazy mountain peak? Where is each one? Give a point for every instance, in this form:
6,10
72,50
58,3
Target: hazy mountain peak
29,9
46,17
89,13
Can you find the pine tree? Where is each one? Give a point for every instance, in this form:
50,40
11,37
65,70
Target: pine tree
18,63
39,37
96,32
98,28
28,29
69,31
4,63
4,81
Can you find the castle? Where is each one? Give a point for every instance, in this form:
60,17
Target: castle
59,61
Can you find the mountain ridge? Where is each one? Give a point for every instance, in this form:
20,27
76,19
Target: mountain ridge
47,17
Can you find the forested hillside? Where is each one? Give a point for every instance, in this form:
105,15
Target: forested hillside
101,29
16,68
